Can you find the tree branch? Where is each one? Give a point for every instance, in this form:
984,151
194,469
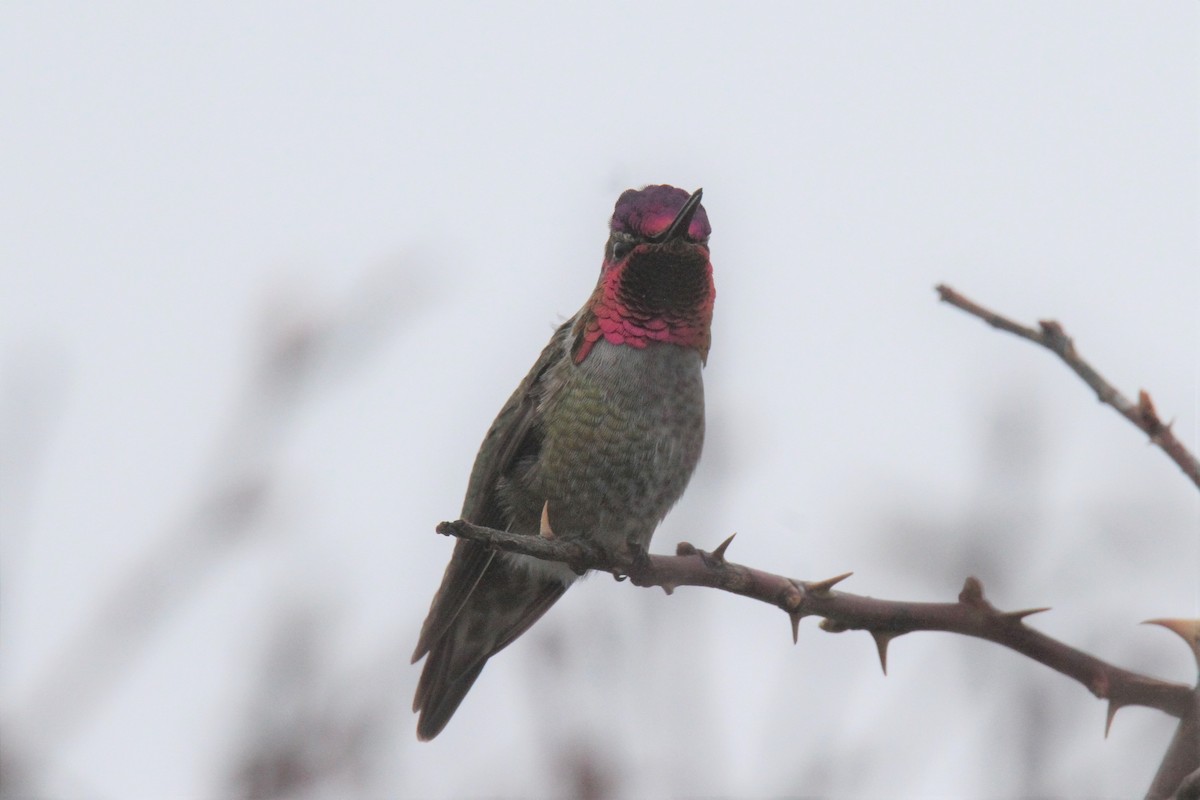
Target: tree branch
972,615
1183,756
1052,336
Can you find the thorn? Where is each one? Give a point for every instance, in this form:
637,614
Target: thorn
823,587
1051,327
1018,616
972,592
1113,707
1149,415
718,555
544,529
795,616
1146,405
882,640
668,588
1187,629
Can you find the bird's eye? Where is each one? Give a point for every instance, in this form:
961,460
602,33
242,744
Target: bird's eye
620,249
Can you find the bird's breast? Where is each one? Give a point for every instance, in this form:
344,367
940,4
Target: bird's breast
621,435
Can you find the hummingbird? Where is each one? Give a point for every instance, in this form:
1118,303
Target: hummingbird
597,443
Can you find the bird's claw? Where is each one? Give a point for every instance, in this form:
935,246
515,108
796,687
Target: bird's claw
638,557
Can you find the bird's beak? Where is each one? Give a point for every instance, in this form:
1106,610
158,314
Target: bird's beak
683,219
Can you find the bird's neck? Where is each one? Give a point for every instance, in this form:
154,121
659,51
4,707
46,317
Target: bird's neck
652,297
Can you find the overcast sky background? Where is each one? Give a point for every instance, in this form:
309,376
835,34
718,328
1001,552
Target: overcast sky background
182,183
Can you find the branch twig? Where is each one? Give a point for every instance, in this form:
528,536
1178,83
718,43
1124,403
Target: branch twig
972,615
1052,336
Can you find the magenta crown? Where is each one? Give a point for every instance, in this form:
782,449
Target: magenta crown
647,212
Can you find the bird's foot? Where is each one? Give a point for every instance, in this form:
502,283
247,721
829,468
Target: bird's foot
637,558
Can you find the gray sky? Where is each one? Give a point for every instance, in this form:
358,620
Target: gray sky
179,180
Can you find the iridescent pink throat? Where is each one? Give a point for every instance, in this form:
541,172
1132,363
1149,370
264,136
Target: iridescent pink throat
669,301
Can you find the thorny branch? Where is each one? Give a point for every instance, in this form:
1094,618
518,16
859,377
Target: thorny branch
1053,337
1177,774
972,615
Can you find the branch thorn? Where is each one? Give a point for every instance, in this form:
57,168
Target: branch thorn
1051,327
1113,707
795,616
1019,616
718,555
972,592
544,529
882,639
1187,629
823,587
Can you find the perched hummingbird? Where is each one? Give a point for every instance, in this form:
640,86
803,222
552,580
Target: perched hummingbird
597,443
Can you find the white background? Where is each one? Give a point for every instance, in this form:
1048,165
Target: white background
424,188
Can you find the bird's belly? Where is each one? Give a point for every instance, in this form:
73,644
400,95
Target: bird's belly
621,437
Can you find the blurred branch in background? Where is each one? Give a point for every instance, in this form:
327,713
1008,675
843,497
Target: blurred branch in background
302,351
305,731
32,388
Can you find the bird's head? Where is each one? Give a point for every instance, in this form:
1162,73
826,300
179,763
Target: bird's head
656,281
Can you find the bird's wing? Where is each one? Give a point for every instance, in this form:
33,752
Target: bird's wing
513,435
